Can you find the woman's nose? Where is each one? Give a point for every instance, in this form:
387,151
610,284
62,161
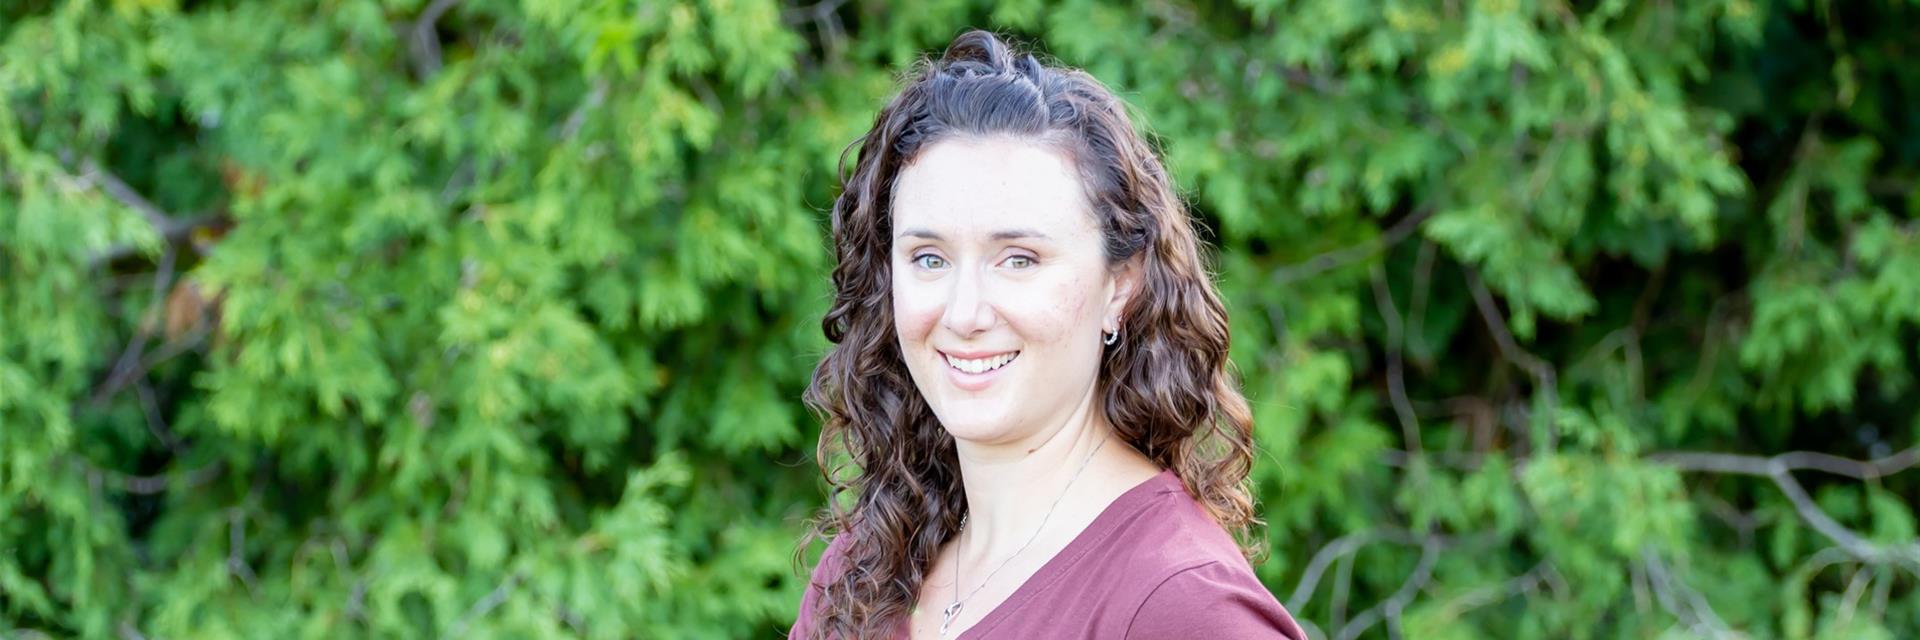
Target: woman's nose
968,311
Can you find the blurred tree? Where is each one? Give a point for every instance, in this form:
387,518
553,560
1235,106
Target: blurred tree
405,318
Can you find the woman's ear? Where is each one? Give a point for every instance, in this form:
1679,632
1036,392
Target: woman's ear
1127,278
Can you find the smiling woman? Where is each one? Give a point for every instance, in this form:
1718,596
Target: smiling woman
1028,380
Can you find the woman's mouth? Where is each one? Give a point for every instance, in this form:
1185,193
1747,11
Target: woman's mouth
981,365
975,374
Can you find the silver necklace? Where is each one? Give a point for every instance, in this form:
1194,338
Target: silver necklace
953,610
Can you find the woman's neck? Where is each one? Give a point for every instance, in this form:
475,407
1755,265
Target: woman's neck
1012,487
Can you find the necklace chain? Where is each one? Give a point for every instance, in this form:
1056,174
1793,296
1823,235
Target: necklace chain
953,610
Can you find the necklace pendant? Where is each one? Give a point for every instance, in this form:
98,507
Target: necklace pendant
948,614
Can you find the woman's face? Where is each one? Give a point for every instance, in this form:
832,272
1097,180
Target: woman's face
1000,286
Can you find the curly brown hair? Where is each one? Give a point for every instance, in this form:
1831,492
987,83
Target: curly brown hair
1166,388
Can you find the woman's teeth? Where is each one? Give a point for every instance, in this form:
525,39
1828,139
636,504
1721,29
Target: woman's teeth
982,365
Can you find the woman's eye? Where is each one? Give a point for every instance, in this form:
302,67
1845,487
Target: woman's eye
1019,262
930,261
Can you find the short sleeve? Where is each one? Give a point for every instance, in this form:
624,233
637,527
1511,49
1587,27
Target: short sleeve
1212,601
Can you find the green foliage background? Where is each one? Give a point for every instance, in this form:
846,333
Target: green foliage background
489,318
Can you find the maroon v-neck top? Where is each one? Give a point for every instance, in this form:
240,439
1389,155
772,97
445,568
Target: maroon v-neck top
1152,565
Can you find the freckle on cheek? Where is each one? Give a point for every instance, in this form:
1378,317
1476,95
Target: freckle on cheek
1070,306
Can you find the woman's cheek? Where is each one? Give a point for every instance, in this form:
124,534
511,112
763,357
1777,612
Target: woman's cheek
1069,301
914,312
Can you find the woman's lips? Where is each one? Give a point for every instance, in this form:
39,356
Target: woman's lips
978,372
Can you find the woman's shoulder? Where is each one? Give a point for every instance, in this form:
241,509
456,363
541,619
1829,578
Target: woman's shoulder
1212,600
1169,531
1193,579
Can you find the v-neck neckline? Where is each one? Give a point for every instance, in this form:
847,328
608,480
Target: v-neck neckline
1096,531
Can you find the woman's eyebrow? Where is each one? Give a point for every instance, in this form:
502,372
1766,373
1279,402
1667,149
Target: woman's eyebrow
1016,234
1004,234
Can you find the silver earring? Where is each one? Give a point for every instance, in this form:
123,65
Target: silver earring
1110,338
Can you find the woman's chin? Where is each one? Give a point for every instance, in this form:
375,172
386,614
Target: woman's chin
976,431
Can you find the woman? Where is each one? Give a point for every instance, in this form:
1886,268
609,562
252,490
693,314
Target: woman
1028,383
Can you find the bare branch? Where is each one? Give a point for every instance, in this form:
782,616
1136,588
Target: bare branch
167,351
1789,461
1314,632
1422,288
1543,375
1302,78
156,425
424,45
1881,590
483,606
1466,602
1780,469
357,599
1396,374
125,366
1854,543
1850,601
578,117
129,367
1422,573
814,11
149,485
572,619
171,228
1637,576
1462,460
1741,522
1339,257
117,189
1390,608
1310,579
825,15
1342,585
237,550
1693,611
1345,546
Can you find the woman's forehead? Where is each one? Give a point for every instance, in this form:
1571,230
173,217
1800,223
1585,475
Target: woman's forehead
990,185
